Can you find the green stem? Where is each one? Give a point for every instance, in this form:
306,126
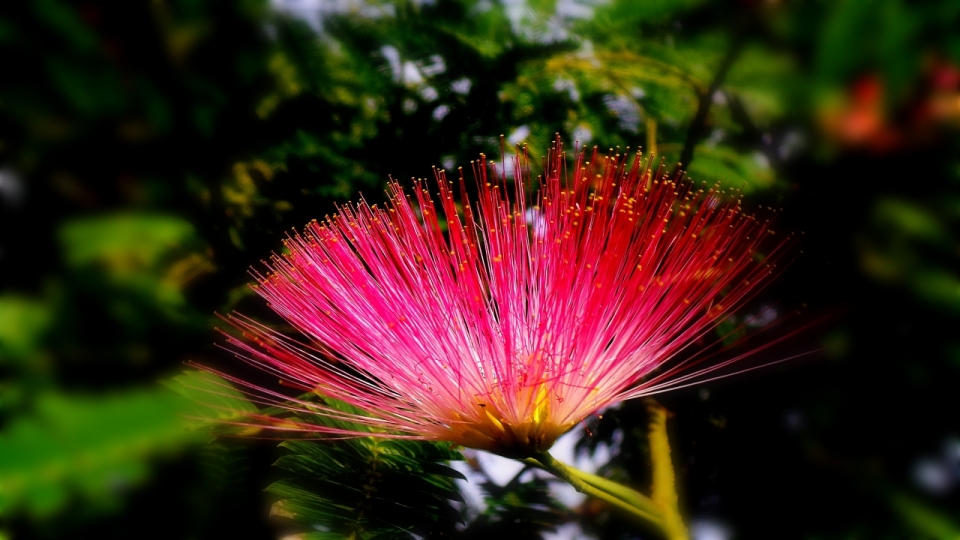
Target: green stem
632,496
642,515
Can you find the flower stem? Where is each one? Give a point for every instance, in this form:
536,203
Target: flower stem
660,511
632,496
647,516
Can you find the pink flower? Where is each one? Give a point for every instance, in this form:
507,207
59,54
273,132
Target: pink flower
500,324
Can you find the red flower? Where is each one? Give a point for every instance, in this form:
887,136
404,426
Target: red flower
502,325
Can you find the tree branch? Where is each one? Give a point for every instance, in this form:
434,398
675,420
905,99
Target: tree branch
698,125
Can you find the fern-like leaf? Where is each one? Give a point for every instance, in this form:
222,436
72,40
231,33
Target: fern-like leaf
368,487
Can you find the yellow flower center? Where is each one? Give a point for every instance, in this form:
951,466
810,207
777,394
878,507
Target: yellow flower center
486,427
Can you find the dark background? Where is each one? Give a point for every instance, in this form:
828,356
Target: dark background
150,152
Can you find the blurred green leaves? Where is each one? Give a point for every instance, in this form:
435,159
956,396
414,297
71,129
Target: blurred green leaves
921,518
123,243
136,264
207,400
96,449
731,168
92,450
521,509
23,324
911,245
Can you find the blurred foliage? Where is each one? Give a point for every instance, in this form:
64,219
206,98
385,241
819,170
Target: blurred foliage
519,509
151,151
96,449
367,488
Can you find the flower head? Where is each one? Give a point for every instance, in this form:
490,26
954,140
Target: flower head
501,323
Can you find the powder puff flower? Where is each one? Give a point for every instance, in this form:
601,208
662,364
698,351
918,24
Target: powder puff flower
499,323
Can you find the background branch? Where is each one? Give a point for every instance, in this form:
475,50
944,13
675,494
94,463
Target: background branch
698,126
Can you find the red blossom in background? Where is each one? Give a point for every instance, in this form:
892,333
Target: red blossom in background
866,117
501,324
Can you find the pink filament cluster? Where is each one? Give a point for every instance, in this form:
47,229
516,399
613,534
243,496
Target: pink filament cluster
501,323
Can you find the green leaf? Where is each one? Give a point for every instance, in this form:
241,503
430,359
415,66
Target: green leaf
123,240
94,448
97,448
909,219
923,520
22,324
146,258
733,169
210,398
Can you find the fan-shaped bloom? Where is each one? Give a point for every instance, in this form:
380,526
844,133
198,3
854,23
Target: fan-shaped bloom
501,323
